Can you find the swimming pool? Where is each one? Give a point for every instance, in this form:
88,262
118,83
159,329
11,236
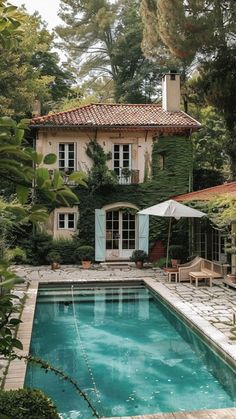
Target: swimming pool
128,351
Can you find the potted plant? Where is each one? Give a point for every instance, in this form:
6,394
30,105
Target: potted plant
139,257
176,254
86,255
54,258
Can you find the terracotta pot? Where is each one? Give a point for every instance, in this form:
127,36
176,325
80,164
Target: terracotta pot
55,265
86,264
175,262
139,264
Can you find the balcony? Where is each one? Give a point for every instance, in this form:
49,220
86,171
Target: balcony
130,177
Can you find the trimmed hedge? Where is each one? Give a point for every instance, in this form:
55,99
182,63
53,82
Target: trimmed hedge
27,404
39,246
66,249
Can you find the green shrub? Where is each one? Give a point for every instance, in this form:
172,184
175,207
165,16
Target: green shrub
161,263
66,249
139,255
54,256
16,255
84,253
176,251
27,404
37,248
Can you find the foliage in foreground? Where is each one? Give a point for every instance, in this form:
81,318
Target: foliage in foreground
26,403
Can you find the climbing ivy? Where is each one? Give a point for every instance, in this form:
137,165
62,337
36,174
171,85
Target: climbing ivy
173,179
99,175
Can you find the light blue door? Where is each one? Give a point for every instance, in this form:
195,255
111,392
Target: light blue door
143,232
100,242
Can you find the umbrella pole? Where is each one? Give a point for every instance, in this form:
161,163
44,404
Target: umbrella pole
168,243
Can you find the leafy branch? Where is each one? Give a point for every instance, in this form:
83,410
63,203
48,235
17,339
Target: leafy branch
47,367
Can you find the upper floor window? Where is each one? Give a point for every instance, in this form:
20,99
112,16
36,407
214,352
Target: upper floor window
122,162
66,157
66,221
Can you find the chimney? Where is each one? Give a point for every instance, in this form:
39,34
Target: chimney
36,108
171,92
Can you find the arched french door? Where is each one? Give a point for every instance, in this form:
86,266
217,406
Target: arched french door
121,233
119,230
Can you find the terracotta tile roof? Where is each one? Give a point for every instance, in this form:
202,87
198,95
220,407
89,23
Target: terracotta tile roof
209,193
117,115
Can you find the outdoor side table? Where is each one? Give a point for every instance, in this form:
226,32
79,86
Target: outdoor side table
198,276
173,275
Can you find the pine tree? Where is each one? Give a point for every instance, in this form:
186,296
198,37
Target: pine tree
103,38
202,32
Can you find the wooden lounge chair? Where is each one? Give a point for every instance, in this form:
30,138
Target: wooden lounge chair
185,268
200,268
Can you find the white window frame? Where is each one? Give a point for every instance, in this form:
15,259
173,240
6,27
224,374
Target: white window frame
66,221
66,158
122,179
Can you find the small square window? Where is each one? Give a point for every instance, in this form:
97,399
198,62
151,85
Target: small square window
66,221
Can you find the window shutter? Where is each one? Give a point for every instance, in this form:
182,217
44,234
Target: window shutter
100,246
143,232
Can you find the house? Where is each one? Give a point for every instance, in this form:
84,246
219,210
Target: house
151,154
208,241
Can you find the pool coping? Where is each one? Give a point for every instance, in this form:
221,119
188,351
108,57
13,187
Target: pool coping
15,377
17,369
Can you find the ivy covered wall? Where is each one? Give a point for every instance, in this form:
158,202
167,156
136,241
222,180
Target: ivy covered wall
171,175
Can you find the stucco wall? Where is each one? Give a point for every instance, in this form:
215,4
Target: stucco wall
48,140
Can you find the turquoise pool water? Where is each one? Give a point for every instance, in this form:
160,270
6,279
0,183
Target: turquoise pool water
128,352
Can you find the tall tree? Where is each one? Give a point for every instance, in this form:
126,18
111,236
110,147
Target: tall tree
189,27
203,31
216,85
137,77
103,38
47,65
29,70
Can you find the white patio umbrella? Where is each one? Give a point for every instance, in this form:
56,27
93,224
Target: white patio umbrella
171,209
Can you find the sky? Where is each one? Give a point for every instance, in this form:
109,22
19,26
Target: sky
48,9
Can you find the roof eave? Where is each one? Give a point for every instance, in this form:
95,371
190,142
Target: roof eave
143,127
